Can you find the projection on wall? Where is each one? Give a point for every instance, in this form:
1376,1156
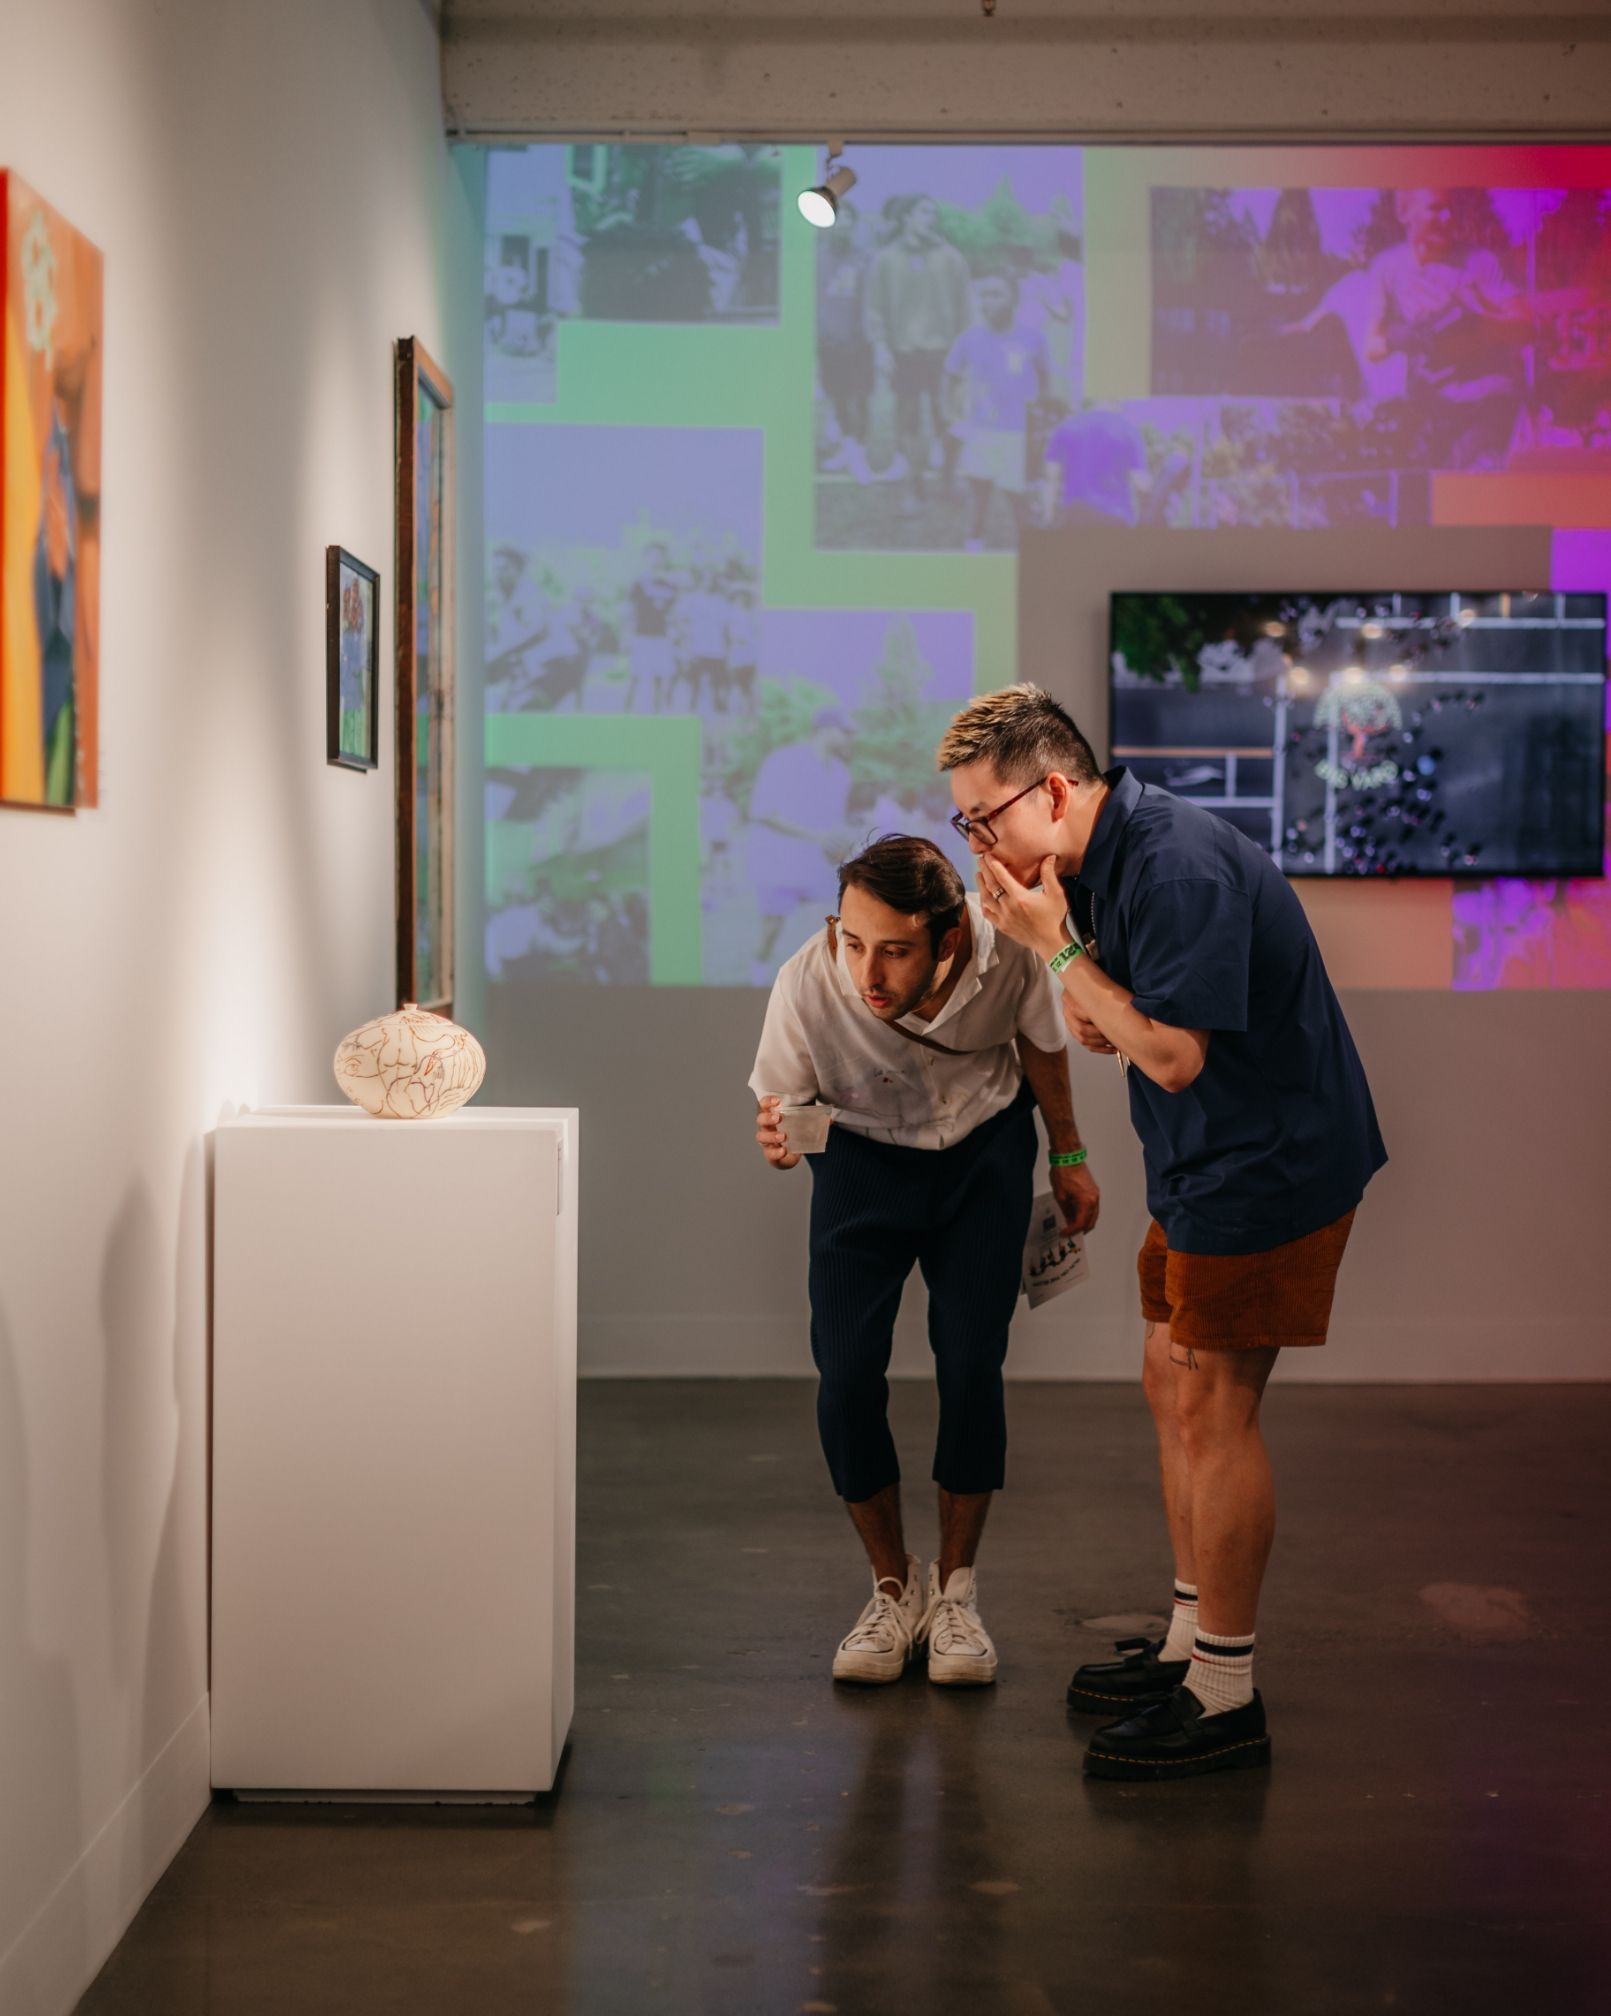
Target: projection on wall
754,491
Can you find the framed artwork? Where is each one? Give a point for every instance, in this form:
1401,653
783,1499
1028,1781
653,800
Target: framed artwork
351,661
425,681
50,506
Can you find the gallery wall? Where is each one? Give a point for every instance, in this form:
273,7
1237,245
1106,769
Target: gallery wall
276,204
709,527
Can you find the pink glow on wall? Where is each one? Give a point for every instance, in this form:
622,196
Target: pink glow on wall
1513,933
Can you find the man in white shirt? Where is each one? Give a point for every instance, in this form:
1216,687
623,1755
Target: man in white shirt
931,1038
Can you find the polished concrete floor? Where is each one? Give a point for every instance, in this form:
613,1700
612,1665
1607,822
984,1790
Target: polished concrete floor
733,1834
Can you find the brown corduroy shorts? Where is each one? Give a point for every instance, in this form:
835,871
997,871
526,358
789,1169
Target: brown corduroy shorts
1243,1301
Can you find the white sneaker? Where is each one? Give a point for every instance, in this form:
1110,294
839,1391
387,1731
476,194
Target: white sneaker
960,1651
885,1635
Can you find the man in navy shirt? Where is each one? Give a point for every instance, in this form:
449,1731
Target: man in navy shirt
1183,951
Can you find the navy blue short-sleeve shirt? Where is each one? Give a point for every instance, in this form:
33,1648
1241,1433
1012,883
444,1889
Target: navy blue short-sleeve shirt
1277,1135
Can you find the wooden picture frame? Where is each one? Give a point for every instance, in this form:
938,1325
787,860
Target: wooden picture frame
425,680
351,650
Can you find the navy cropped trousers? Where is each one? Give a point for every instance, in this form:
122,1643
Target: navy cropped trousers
961,1214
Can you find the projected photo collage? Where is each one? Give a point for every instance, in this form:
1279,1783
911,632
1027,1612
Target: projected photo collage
628,616
754,491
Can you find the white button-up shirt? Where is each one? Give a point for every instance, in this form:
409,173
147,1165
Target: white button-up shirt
822,1042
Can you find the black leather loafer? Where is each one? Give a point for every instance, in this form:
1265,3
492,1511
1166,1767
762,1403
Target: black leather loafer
1172,1739
1114,1686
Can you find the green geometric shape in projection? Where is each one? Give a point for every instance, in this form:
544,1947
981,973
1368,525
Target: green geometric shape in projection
655,374
671,749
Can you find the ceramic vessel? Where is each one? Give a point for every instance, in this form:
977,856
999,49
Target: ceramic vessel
410,1065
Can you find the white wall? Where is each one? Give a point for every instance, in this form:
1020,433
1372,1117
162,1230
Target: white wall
1475,1256
1473,1259
271,190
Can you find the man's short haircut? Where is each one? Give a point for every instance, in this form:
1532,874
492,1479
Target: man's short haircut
913,877
1022,733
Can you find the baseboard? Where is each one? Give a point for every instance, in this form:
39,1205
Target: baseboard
59,1954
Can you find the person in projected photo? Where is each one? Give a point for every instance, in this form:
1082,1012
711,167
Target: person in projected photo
846,369
798,814
1182,951
595,635
1053,302
536,660
995,371
1445,306
919,301
516,615
699,631
651,654
931,1039
618,941
1096,469
743,643
1449,312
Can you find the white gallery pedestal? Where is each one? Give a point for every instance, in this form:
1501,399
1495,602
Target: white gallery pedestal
394,1439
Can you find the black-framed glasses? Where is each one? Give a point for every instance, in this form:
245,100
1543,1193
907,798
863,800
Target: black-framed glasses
968,827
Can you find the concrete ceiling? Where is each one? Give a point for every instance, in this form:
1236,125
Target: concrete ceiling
1094,69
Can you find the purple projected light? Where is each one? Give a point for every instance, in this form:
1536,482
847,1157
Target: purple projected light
844,649
601,484
1557,933
1406,331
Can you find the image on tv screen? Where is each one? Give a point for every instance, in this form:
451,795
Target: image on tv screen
1374,734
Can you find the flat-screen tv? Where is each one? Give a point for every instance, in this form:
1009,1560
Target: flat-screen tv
1374,734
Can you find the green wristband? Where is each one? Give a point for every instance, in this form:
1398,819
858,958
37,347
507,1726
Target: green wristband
1071,1160
1070,952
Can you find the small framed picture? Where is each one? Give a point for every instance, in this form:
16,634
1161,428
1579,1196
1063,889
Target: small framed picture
352,661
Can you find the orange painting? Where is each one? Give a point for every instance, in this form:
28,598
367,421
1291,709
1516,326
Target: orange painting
50,506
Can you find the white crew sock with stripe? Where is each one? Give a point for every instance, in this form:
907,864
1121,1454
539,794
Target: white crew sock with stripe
1182,1623
1221,1673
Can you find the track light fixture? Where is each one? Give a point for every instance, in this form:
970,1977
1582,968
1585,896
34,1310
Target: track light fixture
820,206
